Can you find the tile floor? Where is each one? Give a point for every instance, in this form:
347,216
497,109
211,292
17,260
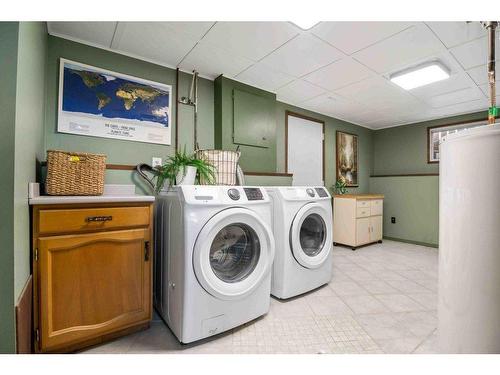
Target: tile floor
382,299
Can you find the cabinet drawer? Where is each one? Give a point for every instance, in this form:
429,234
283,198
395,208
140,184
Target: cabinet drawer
362,203
91,219
376,206
363,212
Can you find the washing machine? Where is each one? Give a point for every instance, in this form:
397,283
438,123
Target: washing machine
302,228
214,254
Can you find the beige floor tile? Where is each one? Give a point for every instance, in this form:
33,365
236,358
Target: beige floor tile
399,303
365,304
405,345
407,286
327,305
347,288
428,300
378,287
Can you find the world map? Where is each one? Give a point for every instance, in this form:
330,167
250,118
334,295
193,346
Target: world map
110,96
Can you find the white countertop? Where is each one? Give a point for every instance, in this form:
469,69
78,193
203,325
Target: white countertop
113,193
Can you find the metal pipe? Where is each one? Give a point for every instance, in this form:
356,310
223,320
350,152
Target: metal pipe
491,27
195,125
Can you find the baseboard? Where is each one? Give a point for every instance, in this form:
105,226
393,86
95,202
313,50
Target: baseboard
412,242
24,312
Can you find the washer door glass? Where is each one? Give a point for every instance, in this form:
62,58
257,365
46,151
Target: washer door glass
235,252
312,235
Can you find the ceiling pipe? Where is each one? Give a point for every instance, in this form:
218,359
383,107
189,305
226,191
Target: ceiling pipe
493,110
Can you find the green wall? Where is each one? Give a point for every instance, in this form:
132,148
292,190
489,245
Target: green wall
414,201
30,108
119,151
331,126
403,149
253,159
9,34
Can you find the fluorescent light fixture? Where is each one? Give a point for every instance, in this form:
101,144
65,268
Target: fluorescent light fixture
305,24
421,75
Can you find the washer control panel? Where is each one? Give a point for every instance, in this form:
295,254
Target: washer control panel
254,194
321,192
234,194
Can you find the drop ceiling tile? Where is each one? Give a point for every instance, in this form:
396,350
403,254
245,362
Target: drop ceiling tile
455,97
350,37
455,33
301,55
473,53
454,83
298,91
99,33
153,40
410,45
252,40
213,61
264,77
331,103
479,74
339,73
194,29
468,107
378,93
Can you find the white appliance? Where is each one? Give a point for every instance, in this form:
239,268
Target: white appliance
302,227
469,241
213,259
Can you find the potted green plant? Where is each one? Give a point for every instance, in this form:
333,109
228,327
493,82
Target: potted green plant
184,169
340,186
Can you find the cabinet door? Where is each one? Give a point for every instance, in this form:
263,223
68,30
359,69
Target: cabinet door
362,231
92,284
253,116
376,228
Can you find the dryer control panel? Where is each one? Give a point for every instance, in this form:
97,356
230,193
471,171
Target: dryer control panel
254,194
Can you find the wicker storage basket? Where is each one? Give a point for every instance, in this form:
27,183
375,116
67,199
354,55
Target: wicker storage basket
74,173
225,163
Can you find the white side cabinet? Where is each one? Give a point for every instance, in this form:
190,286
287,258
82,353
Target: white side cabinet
357,219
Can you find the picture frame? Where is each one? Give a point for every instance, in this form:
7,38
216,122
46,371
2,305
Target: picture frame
435,133
347,158
101,103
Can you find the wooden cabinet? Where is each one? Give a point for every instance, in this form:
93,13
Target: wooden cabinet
92,273
357,219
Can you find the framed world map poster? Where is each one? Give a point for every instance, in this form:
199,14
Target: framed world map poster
101,103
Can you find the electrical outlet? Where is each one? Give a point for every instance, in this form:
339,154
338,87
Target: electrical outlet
156,162
393,220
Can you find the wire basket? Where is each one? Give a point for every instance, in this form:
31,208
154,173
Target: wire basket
225,164
75,173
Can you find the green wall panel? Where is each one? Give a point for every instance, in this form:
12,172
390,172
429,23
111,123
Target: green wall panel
413,201
32,56
9,34
253,159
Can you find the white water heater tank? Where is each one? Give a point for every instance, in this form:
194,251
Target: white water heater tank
469,241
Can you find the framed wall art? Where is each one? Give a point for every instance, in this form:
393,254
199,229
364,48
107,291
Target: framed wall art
347,158
101,103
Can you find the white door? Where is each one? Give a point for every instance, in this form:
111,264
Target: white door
233,253
310,236
305,151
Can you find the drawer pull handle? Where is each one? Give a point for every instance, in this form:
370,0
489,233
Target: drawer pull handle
91,219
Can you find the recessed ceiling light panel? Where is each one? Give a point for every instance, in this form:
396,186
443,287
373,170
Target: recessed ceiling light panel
421,75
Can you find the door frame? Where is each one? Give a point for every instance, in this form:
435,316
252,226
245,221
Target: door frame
312,119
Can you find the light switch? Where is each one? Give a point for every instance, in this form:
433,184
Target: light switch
156,162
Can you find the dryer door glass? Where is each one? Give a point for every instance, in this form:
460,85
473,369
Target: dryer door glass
235,252
312,235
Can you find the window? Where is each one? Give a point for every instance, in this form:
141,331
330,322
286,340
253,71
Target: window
436,133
